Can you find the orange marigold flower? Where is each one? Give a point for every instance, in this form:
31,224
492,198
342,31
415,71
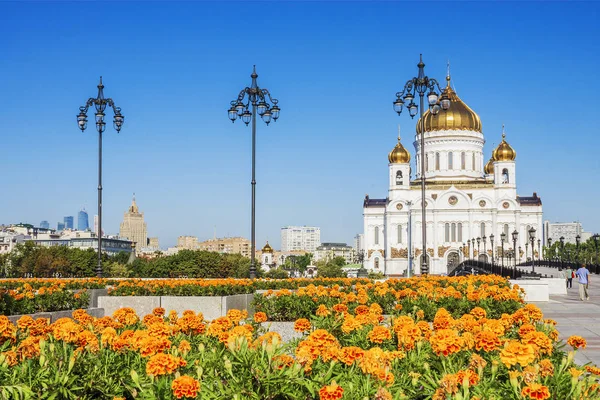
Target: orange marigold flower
163,364
383,394
546,368
10,358
260,317
575,372
361,310
577,342
449,383
348,355
185,386
467,376
322,311
184,346
445,342
159,311
25,322
487,341
517,353
333,391
536,391
339,308
477,362
420,314
592,370
283,360
478,313
525,329
302,325
379,334
236,315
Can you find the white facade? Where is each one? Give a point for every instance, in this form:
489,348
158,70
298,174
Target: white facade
568,230
303,238
463,202
329,251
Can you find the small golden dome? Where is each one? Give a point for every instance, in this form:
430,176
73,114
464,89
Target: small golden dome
459,117
504,152
267,248
399,155
489,167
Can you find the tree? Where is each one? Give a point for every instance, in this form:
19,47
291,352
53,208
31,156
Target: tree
339,261
330,270
277,273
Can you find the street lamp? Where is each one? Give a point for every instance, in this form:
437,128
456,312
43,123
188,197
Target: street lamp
484,246
420,85
577,242
532,239
100,103
478,250
492,246
539,251
266,106
562,252
502,239
515,236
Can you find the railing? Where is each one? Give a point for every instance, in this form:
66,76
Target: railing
487,268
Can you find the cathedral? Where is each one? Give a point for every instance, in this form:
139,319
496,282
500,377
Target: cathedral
471,201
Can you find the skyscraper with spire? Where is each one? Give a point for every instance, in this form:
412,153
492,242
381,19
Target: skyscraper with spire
133,226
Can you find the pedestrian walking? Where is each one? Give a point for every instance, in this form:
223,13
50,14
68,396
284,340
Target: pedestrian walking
583,277
569,274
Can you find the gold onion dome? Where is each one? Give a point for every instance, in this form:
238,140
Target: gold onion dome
399,155
267,248
504,152
459,117
489,167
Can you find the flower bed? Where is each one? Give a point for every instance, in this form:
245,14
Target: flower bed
347,352
397,296
27,300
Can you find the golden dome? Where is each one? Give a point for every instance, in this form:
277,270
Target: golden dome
489,167
267,248
399,155
459,117
504,152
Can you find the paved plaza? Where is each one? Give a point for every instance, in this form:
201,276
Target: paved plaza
576,317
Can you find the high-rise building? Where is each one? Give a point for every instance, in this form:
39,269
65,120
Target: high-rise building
305,238
96,224
60,226
69,222
153,243
45,225
567,230
187,242
358,242
230,245
82,220
133,226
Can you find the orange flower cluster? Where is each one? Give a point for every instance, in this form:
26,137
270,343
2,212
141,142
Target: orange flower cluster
577,342
185,386
536,391
333,391
163,364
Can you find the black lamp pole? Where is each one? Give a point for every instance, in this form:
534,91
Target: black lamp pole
596,237
100,103
502,239
515,235
266,106
539,251
532,239
577,242
436,102
478,250
492,246
550,250
562,251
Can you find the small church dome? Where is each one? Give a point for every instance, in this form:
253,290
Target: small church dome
267,248
504,152
399,155
489,167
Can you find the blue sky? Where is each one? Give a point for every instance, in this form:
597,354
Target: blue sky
335,67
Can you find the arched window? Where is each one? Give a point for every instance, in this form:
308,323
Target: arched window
399,178
505,229
399,233
446,232
453,232
473,162
376,235
376,262
505,175
482,229
450,160
463,160
459,227
437,161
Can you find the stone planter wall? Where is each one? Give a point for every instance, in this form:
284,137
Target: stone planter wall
55,315
210,306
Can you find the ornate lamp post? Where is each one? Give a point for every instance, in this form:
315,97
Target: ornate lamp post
484,246
577,242
532,239
596,237
550,250
515,236
502,239
100,103
492,246
562,252
266,106
526,250
362,272
539,251
469,248
420,84
478,250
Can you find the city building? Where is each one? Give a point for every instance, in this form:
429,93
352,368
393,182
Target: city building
83,221
153,243
83,240
9,240
45,224
568,230
467,199
358,242
60,226
304,238
232,245
329,251
267,259
133,226
187,242
68,222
